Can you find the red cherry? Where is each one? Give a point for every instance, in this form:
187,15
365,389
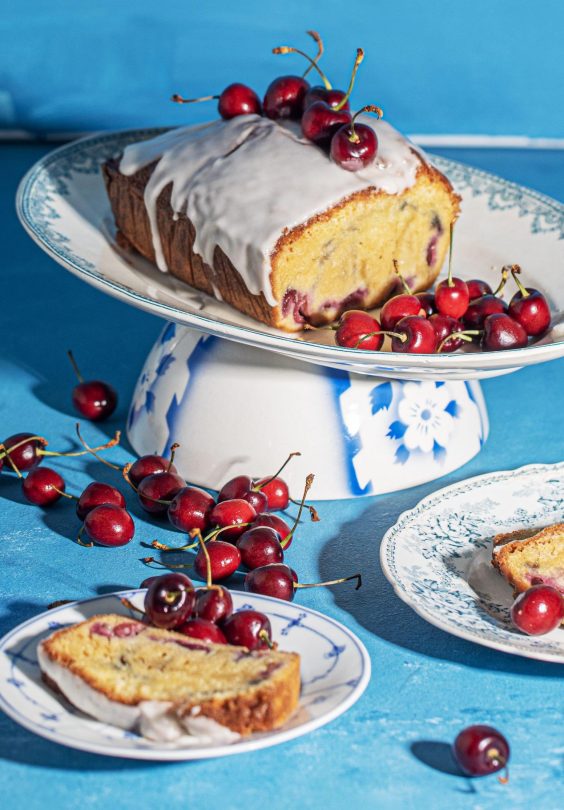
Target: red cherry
414,335
502,332
235,513
242,486
213,604
452,297
148,580
538,610
190,509
24,450
276,523
354,148
149,465
426,302
481,750
248,628
445,326
276,491
398,307
479,309
529,307
202,629
169,600
477,288
109,525
94,399
320,122
97,494
260,546
161,486
43,486
284,97
238,99
358,330
331,97
225,559
272,580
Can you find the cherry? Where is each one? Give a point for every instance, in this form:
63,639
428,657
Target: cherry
529,307
334,98
190,509
97,494
109,525
43,486
445,326
415,335
321,121
156,491
502,332
149,465
94,399
358,330
276,523
169,600
426,302
354,146
281,581
235,513
452,295
213,604
242,486
276,492
23,451
148,580
202,629
260,546
398,307
477,288
479,309
481,750
284,97
237,99
538,610
224,560
250,629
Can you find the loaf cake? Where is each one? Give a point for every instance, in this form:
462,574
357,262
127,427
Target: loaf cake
250,211
165,685
527,557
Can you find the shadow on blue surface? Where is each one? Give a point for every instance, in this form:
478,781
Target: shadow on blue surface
437,755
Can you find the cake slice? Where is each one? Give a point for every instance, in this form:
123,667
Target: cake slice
251,212
528,557
165,685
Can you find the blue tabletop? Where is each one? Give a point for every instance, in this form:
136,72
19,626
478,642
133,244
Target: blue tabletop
388,751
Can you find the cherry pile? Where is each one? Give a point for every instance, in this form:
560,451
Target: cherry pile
457,312
323,112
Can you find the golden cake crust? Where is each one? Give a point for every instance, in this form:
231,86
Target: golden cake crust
516,554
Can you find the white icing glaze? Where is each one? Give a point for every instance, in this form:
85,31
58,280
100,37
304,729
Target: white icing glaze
153,719
243,182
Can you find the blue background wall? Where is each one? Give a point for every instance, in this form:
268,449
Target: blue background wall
436,66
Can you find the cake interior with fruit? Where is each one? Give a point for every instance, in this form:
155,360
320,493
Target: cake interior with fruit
529,557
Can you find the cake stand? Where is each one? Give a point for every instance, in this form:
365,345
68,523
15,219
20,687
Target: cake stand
239,396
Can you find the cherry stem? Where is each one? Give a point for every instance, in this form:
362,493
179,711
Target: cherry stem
216,532
208,561
79,539
75,366
180,100
515,269
466,336
149,560
266,638
313,513
130,606
92,450
64,494
498,760
285,49
504,276
125,473
319,42
399,335
173,448
6,454
307,487
371,108
276,474
450,282
357,577
5,451
357,63
405,285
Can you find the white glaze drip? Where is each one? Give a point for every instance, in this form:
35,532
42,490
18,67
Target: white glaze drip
243,182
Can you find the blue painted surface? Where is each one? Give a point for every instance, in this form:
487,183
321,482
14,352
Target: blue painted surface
389,750
434,66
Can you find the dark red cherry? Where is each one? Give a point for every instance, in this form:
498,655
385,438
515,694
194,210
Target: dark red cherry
538,610
43,486
398,307
213,604
161,486
169,600
202,629
146,582
242,486
272,580
190,509
477,288
94,399
225,559
331,97
238,99
481,750
276,491
354,149
358,330
109,525
149,465
529,307
445,326
479,309
260,546
414,335
96,494
276,523
427,303
235,513
321,121
24,450
284,97
502,332
248,628
452,297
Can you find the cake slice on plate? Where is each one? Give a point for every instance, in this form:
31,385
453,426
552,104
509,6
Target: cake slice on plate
165,685
528,557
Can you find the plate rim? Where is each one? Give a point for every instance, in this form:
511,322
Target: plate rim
188,754
282,343
432,618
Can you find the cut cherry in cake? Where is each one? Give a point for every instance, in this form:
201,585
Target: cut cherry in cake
165,685
527,557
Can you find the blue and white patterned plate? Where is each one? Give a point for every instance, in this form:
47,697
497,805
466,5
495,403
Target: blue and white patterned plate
63,205
438,555
335,671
